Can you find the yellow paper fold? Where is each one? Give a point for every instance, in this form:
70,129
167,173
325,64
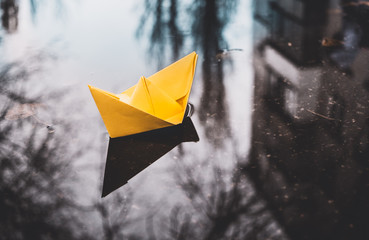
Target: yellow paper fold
154,102
141,98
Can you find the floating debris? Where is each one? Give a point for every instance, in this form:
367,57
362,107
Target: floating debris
224,53
320,115
330,42
355,4
50,129
21,111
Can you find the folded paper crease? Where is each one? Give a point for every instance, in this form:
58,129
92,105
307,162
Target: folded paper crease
155,102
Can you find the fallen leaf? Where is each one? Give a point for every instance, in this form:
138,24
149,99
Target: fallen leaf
21,111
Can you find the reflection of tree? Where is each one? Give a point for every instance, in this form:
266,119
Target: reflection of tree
34,169
35,159
10,8
221,207
35,202
9,17
206,21
211,18
114,216
113,212
165,29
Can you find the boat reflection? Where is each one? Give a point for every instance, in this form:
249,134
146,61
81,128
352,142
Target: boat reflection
129,155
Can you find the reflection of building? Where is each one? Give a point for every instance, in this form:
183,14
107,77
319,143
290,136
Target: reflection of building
291,51
9,16
310,144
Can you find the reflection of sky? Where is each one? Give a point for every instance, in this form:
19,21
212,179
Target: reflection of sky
93,38
94,43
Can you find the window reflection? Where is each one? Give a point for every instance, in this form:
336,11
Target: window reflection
9,16
310,118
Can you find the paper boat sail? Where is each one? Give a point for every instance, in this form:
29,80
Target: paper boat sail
154,102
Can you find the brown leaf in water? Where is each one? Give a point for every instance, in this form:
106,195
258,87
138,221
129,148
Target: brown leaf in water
330,42
356,3
21,111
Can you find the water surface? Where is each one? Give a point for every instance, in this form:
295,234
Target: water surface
280,96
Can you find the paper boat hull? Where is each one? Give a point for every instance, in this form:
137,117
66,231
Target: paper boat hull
122,119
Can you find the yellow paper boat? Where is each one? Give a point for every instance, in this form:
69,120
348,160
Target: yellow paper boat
154,102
